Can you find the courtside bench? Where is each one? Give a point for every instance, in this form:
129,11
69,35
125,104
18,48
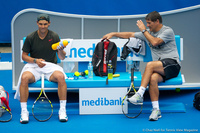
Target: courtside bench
81,52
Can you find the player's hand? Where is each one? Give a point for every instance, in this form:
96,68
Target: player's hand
60,48
141,25
108,36
40,63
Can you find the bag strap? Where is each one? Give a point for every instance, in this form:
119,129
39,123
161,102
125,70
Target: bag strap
108,53
6,101
125,50
110,47
100,54
127,42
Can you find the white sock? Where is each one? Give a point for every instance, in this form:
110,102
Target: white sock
23,106
63,104
155,105
141,91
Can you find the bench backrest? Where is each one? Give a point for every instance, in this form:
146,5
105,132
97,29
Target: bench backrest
81,51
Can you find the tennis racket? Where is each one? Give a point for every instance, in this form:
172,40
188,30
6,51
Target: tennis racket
5,114
135,109
5,111
42,108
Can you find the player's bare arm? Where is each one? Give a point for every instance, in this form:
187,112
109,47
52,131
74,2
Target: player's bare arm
119,34
27,58
153,40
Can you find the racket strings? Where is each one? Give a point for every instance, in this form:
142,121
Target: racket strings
42,109
5,114
134,110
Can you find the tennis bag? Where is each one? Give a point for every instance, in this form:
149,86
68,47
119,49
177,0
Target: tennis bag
4,99
196,101
104,51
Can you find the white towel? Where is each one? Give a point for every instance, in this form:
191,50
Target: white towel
136,43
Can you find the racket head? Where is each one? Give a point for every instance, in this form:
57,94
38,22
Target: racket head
134,110
42,108
124,108
5,114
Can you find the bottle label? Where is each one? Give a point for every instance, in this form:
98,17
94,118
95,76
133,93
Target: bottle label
110,75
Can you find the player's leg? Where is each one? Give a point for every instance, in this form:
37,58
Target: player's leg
26,78
151,67
153,86
154,95
171,69
59,77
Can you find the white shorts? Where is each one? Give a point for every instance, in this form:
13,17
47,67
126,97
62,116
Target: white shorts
47,70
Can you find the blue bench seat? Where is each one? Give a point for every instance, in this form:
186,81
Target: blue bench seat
174,81
122,81
97,81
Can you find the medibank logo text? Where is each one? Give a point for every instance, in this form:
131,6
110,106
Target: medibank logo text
102,102
83,52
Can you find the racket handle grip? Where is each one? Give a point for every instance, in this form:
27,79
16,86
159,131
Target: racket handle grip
132,74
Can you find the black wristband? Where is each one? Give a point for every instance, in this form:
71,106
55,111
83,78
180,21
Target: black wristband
34,60
143,31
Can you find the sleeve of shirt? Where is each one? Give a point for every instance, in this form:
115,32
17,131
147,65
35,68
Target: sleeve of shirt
140,35
55,37
167,35
26,46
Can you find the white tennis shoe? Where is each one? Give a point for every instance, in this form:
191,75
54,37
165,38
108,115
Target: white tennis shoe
155,114
136,99
24,117
62,115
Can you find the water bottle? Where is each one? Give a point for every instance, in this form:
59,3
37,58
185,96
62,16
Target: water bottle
110,70
136,66
129,63
90,70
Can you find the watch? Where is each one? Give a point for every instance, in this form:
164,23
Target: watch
143,31
34,60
